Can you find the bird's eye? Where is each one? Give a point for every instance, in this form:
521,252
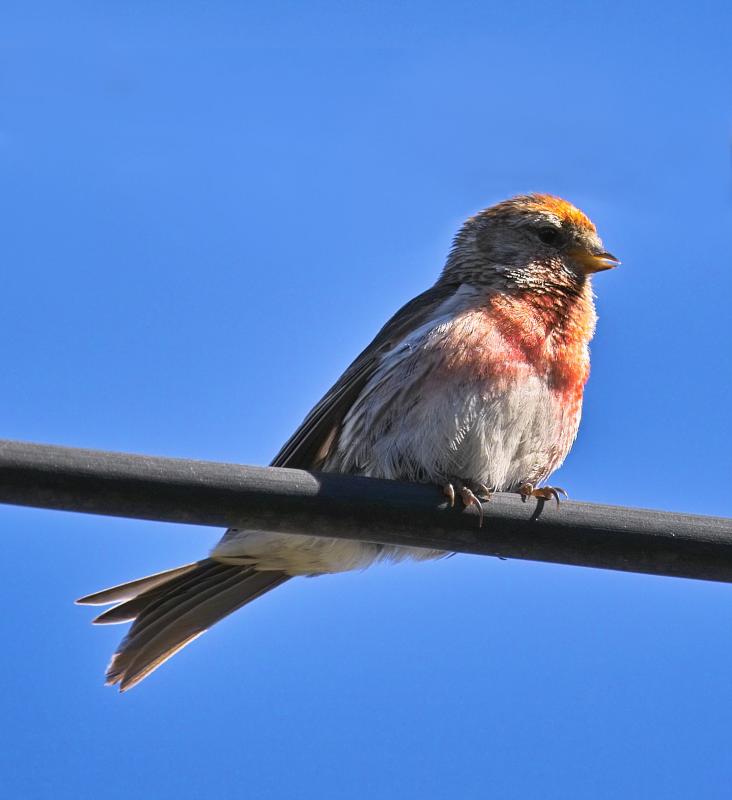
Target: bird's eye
550,235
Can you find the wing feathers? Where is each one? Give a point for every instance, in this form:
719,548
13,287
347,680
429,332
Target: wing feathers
311,443
172,608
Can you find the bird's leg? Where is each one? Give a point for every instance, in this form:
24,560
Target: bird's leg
471,493
542,493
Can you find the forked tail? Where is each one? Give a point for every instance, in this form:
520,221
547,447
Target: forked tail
170,609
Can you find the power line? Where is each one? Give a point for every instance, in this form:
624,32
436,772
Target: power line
350,507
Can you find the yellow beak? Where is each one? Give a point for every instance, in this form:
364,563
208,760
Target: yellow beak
594,262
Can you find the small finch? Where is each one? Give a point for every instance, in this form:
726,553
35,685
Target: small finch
475,385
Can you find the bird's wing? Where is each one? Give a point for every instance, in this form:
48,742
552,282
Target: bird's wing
312,442
171,609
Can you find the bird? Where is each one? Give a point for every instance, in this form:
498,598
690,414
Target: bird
475,385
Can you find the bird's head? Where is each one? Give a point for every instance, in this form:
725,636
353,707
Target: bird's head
534,241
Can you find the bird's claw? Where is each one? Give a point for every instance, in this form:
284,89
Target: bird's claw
471,493
542,493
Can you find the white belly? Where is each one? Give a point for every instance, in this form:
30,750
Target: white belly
408,425
502,436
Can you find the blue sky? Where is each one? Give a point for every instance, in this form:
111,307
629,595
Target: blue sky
208,210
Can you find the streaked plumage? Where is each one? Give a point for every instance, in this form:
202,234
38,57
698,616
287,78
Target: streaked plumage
478,379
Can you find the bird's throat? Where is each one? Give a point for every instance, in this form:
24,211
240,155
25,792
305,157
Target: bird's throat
513,335
548,331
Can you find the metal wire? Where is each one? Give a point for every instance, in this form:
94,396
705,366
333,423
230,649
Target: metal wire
349,507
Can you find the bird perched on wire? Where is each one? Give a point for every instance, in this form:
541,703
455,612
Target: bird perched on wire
475,385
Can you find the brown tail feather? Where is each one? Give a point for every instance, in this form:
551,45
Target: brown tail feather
171,609
147,600
125,591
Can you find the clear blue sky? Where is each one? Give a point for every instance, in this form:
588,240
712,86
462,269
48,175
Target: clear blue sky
207,211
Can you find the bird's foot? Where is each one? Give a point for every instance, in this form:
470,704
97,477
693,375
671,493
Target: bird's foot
542,493
471,493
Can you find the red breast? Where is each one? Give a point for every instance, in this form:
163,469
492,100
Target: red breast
521,334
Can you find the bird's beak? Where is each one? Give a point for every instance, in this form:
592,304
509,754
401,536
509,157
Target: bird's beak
594,262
